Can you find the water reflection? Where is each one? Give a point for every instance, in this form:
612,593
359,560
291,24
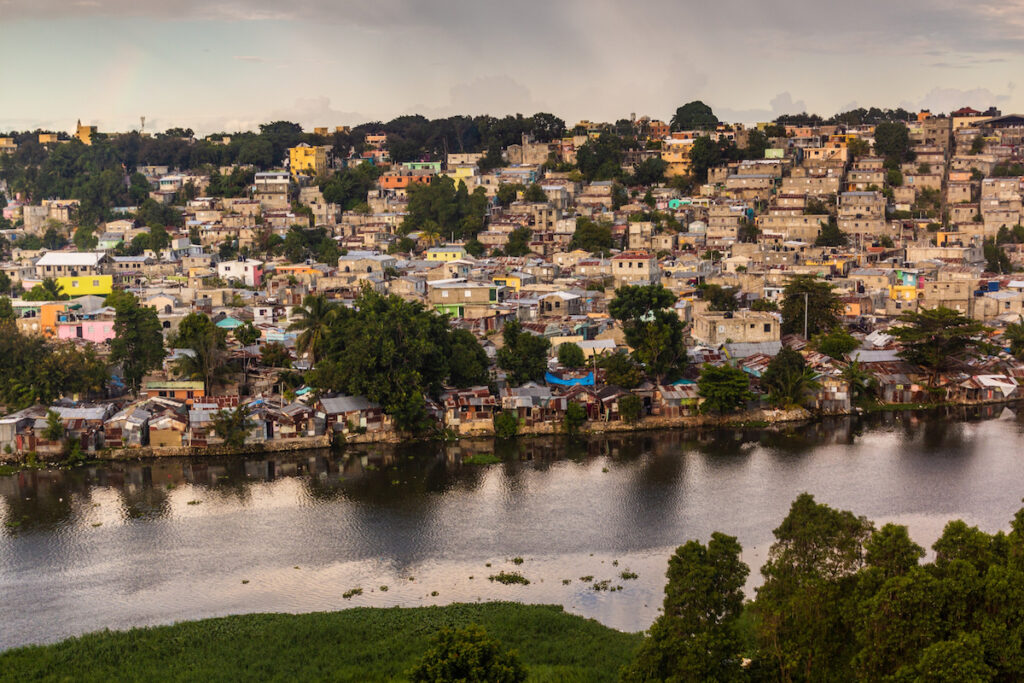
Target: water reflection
148,542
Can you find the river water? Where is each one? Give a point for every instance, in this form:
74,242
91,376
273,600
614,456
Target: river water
137,543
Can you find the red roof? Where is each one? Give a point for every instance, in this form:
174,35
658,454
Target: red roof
633,255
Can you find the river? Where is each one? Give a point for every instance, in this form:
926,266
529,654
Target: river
124,544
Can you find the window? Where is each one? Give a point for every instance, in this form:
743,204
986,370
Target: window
767,327
444,294
468,294
95,283
74,283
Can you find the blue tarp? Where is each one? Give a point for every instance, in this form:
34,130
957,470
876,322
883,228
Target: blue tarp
552,379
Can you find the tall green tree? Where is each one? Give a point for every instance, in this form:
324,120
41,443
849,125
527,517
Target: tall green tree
694,116
524,355
892,140
720,298
935,338
138,343
652,329
804,606
592,236
696,637
830,235
823,306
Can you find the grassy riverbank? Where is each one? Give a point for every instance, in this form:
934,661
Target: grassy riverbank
360,644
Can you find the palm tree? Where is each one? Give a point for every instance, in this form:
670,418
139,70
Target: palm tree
791,385
314,319
1014,334
207,362
861,381
52,289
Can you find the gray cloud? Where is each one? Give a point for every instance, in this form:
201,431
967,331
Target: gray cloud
950,99
783,103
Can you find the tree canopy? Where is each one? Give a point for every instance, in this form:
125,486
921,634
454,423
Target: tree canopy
652,329
694,116
392,351
823,306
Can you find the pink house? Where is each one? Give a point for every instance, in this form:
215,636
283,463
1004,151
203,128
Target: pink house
96,331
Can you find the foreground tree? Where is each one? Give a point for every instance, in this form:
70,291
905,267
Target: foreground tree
935,338
805,627
696,637
470,655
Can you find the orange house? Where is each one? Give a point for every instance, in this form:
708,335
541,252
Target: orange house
400,180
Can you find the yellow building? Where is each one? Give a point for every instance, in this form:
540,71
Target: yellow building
306,160
512,281
445,253
85,133
47,138
80,285
903,292
677,156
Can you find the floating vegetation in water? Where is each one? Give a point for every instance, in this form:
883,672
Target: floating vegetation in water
615,563
352,592
95,524
194,502
587,579
433,594
628,575
245,580
605,585
566,582
383,589
517,560
509,578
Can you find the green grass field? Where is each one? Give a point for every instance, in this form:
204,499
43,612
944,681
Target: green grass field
360,644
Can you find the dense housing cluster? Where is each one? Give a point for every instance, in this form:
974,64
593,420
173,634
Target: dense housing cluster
486,275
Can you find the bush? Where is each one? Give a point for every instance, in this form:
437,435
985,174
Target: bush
570,355
506,425
468,654
630,408
575,416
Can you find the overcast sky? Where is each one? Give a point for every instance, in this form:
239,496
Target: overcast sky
214,65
